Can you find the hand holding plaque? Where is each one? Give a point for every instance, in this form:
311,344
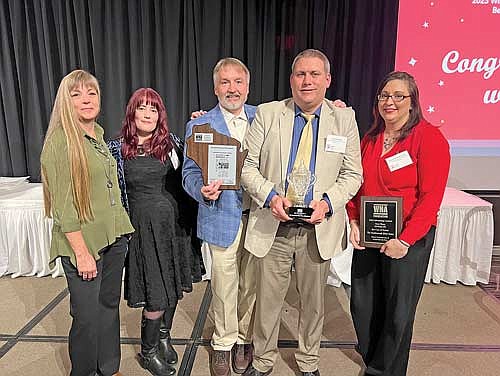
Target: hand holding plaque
300,181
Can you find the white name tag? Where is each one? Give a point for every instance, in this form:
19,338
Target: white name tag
399,160
336,144
206,138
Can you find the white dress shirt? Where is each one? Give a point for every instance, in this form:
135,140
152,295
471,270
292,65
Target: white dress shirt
238,125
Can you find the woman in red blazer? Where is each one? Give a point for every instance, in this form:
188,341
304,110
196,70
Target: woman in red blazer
403,156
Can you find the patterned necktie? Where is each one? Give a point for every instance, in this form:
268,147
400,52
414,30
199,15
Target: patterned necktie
304,151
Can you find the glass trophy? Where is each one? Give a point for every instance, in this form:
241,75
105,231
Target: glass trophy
301,180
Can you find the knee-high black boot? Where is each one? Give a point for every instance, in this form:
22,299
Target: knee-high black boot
149,357
167,351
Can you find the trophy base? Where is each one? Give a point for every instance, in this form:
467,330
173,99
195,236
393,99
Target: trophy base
298,212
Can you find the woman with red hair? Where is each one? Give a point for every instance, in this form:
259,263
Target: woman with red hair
164,257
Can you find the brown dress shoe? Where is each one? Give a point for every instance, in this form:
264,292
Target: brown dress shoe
241,357
253,372
219,363
314,373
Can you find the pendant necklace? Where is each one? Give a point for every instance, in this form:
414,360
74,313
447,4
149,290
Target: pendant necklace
107,171
141,152
389,142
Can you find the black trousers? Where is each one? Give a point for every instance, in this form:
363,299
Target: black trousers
94,338
384,298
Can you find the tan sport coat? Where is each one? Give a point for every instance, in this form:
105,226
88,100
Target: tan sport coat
339,175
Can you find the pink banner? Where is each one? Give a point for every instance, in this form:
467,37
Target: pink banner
452,48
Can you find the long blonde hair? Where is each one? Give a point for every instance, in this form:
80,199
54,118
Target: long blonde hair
64,116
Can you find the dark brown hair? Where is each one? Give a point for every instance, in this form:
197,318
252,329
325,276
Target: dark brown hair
415,110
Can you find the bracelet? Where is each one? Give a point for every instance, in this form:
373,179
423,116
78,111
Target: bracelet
404,243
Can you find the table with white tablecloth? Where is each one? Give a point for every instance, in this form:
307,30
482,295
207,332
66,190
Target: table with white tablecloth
461,253
464,240
462,247
25,232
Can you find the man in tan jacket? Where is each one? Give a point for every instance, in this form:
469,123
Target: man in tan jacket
276,142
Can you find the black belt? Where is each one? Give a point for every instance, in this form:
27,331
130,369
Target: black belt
245,212
297,223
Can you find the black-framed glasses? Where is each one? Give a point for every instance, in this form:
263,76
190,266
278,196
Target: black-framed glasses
395,97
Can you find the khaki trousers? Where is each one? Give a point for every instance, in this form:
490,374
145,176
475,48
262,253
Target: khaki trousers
273,279
233,292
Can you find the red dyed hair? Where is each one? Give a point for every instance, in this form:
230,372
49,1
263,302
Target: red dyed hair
159,145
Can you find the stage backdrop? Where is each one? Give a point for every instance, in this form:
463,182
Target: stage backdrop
172,46
452,49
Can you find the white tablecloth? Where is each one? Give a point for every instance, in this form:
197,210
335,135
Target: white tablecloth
464,240
25,232
462,247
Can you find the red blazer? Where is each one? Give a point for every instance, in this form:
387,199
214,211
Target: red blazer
421,184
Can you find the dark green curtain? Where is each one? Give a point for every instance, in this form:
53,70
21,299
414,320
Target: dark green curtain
172,46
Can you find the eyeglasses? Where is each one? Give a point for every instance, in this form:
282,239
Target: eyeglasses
395,97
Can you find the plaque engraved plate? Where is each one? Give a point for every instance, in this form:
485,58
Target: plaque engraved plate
380,220
219,156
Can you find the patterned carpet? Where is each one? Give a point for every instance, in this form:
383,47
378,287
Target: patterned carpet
493,287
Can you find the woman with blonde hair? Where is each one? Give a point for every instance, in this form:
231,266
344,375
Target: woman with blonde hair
82,196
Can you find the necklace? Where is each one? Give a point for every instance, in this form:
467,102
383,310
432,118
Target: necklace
141,152
104,152
390,139
389,142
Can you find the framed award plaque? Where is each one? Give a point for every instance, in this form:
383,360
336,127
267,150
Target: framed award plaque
380,220
218,156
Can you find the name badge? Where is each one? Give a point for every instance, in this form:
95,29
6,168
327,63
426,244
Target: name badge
336,144
398,161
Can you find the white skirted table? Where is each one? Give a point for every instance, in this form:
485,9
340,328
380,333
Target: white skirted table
25,232
463,244
462,248
464,240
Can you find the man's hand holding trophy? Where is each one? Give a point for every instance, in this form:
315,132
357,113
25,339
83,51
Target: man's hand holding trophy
300,181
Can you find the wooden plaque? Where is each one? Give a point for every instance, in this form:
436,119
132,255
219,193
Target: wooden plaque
380,220
217,156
